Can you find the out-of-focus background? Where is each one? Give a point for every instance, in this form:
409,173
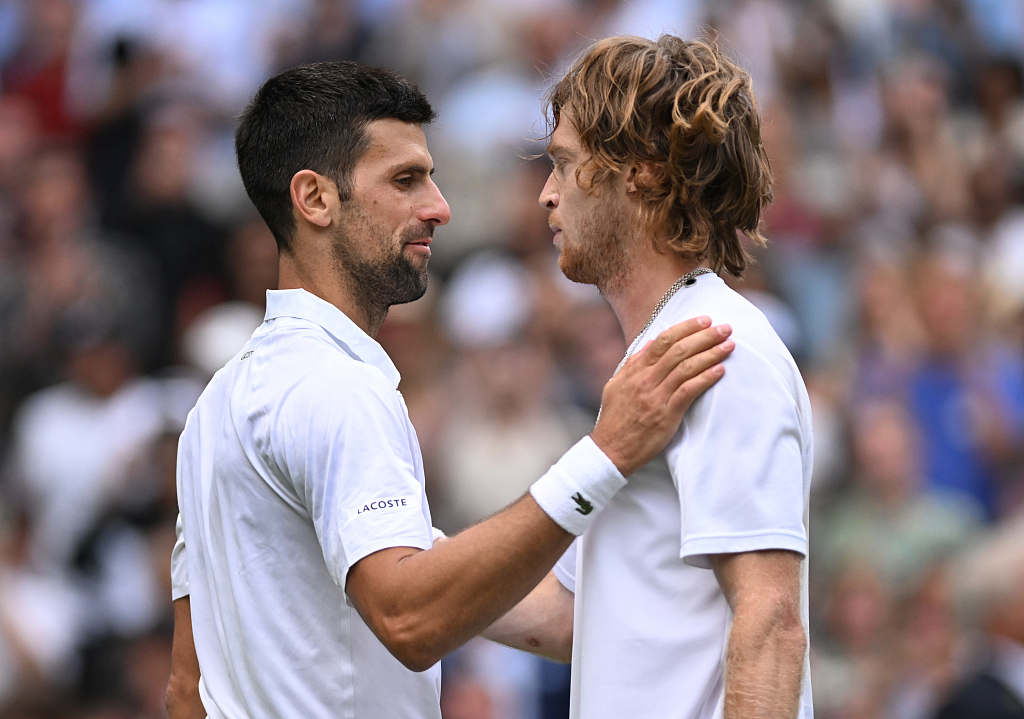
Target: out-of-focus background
132,266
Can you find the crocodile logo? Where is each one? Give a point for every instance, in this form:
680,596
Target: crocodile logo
584,507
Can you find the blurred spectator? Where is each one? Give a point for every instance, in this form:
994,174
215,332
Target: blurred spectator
991,579
185,246
852,656
216,51
436,43
75,444
888,522
60,259
19,140
920,174
968,392
995,126
41,622
335,30
38,71
892,336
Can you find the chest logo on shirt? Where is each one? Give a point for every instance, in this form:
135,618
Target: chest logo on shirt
379,504
584,507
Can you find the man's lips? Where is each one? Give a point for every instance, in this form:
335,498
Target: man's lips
421,245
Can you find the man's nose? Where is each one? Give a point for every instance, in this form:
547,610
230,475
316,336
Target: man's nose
548,199
437,209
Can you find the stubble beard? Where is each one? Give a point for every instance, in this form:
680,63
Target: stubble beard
598,255
384,276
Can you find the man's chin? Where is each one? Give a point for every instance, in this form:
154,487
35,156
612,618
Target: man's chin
574,270
412,291
406,299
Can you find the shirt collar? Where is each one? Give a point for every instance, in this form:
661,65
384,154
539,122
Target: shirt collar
307,306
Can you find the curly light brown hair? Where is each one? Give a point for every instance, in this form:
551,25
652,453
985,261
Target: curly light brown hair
686,114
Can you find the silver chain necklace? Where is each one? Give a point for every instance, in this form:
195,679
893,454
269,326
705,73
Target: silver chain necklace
687,280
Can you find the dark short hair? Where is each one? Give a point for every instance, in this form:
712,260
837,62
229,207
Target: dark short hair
313,117
687,112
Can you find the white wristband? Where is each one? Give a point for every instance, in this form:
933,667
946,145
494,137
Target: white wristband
578,486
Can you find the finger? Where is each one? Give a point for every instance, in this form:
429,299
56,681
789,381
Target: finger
691,367
656,349
691,389
689,347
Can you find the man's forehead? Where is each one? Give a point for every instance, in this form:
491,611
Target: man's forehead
392,140
564,138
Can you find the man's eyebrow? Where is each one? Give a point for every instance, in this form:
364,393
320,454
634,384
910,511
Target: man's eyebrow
415,168
560,149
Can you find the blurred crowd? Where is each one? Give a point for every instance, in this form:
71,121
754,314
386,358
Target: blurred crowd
132,266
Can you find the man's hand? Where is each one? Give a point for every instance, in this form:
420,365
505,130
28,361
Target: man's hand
643,404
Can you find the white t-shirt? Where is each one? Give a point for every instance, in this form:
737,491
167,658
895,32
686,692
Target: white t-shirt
651,621
298,461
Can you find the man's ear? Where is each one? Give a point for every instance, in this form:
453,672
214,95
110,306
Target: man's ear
639,176
314,197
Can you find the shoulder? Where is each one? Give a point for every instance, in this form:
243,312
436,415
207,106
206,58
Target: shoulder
337,386
712,297
295,380
299,361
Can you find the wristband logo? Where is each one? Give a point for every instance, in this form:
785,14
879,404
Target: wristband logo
584,507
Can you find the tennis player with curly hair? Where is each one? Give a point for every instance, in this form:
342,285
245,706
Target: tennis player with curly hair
687,597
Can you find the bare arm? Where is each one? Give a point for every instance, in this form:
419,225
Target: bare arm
424,604
540,624
765,657
183,700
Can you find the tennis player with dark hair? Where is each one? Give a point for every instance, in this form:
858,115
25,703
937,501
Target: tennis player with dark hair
687,597
306,579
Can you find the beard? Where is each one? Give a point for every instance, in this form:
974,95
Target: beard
381,275
597,255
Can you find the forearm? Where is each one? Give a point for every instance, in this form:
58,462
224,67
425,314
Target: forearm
183,700
431,602
764,665
540,624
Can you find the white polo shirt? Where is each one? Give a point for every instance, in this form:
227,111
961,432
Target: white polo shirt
651,622
298,461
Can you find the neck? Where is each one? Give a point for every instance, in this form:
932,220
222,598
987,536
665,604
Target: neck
634,299
316,277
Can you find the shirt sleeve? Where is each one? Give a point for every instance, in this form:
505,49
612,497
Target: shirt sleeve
348,449
565,567
179,564
738,464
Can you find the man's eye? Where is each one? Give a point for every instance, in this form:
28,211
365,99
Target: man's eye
404,181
